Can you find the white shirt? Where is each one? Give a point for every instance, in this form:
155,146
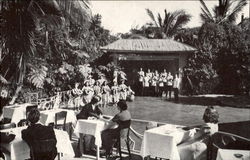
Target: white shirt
146,81
170,80
176,83
141,75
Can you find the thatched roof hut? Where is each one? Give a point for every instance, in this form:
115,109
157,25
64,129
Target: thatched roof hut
153,54
148,45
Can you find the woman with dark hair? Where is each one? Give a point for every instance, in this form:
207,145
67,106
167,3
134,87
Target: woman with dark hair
36,132
120,121
194,145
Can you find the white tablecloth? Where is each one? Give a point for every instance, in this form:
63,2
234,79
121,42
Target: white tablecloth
162,142
228,154
48,116
19,149
15,112
92,127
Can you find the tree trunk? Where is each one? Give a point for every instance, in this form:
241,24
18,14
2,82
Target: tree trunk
19,88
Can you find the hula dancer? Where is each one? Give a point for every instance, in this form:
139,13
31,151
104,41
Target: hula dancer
114,93
105,90
123,91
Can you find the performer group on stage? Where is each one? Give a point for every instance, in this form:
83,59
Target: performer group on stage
158,84
109,93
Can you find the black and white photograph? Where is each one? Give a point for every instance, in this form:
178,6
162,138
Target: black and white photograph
125,79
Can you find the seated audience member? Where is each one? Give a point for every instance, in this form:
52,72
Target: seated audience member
119,122
36,132
176,87
90,110
4,138
194,146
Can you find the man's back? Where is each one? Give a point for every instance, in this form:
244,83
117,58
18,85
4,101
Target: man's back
38,136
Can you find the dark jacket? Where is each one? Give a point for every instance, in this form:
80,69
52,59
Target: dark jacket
87,111
37,132
6,138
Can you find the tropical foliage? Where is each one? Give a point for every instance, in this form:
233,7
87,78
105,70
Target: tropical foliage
168,25
46,43
221,64
226,10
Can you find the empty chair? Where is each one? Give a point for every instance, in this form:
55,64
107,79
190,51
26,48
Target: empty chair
124,136
7,126
60,116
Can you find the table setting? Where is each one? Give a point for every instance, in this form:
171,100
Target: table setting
92,126
48,116
19,149
16,112
231,154
162,142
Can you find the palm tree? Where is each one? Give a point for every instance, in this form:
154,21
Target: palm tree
171,23
226,10
19,20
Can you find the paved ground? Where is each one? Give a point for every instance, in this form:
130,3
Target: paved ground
184,113
188,112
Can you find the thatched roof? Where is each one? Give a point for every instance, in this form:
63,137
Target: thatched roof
148,45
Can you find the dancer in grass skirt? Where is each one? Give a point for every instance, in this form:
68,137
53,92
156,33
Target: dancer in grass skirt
105,90
123,90
114,93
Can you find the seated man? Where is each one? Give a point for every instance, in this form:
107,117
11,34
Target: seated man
34,135
90,110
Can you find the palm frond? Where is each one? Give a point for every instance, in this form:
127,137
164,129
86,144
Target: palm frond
205,17
77,11
235,11
181,20
151,15
159,20
205,10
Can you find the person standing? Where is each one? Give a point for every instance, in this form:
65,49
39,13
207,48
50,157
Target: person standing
176,87
150,88
141,77
146,85
169,84
114,93
105,89
123,91
154,83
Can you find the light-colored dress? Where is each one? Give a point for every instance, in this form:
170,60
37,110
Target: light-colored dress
114,94
105,94
123,91
195,148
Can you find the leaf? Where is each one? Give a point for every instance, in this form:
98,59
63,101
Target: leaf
37,76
